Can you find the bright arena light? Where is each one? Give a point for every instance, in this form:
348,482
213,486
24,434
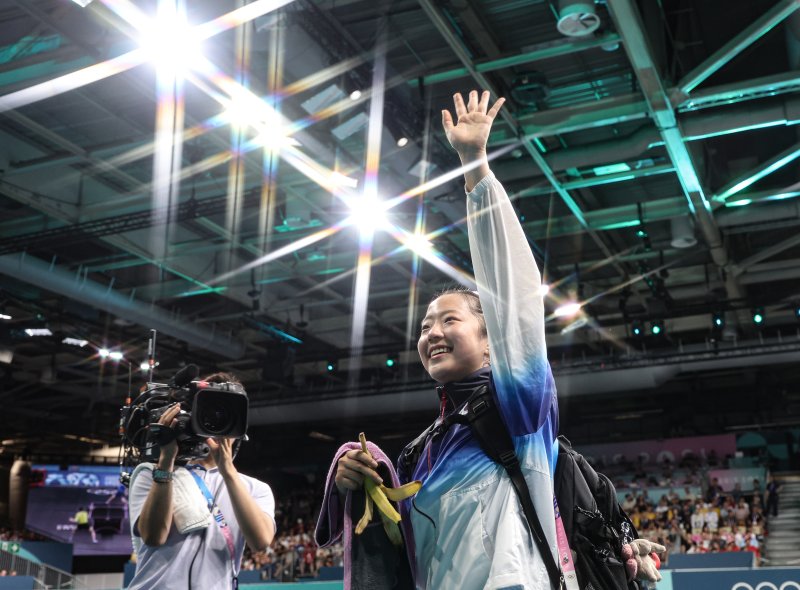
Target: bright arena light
368,213
144,366
171,43
544,289
247,109
38,332
104,352
75,342
419,244
567,310
402,142
355,95
115,355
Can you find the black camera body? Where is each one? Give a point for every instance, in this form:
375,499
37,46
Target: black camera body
207,410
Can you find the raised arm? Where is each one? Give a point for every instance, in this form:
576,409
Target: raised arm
509,283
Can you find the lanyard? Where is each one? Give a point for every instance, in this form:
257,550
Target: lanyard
564,553
219,518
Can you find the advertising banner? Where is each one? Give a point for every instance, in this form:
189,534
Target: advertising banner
744,476
751,579
655,451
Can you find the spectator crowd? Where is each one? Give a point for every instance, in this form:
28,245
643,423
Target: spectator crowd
694,515
294,554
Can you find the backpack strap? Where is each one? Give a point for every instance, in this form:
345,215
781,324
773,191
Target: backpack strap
481,414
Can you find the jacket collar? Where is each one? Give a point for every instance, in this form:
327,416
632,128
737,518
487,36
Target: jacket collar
457,392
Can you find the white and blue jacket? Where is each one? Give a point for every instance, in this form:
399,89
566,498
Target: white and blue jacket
468,527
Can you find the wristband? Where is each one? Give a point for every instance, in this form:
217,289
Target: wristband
162,476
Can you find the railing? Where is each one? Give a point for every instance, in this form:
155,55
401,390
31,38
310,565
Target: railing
47,577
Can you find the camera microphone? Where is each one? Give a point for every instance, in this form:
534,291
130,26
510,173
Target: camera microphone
185,376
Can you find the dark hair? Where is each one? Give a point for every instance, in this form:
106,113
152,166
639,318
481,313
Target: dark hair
222,377
470,296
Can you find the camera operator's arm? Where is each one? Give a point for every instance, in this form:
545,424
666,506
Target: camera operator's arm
155,519
258,528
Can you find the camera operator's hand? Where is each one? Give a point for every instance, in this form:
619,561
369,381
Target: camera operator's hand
352,468
258,528
169,451
222,453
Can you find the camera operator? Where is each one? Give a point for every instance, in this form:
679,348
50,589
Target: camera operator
243,509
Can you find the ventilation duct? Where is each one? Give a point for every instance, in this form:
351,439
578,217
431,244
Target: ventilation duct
682,232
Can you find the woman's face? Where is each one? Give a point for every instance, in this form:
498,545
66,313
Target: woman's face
452,344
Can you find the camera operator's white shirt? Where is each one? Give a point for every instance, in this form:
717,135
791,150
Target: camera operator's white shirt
202,558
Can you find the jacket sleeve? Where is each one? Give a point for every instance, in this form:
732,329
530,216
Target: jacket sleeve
509,285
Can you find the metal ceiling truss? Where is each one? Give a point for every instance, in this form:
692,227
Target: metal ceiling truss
657,123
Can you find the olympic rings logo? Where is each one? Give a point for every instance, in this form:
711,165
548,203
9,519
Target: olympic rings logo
789,585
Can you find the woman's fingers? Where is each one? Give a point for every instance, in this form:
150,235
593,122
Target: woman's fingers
458,102
447,121
496,107
472,105
484,103
349,483
360,465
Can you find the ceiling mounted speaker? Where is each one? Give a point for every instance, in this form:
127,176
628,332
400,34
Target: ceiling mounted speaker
530,88
682,232
577,18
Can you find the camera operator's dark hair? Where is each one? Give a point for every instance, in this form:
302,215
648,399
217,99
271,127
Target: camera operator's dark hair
222,377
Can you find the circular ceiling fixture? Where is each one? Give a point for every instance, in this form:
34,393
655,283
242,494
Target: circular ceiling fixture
577,18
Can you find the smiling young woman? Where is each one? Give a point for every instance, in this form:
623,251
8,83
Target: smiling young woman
453,342
465,529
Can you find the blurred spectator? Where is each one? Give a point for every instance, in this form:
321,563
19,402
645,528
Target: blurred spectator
714,491
773,489
629,503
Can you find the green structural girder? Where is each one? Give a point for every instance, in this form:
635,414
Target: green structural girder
540,52
737,92
601,113
456,44
598,180
28,46
739,43
752,176
627,20
606,219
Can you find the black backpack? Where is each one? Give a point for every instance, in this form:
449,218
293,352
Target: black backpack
595,524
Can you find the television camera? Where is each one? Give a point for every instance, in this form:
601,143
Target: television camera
208,409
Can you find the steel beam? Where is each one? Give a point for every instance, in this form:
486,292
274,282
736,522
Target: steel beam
628,21
457,45
537,53
737,185
737,92
66,283
740,42
601,113
766,253
598,180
